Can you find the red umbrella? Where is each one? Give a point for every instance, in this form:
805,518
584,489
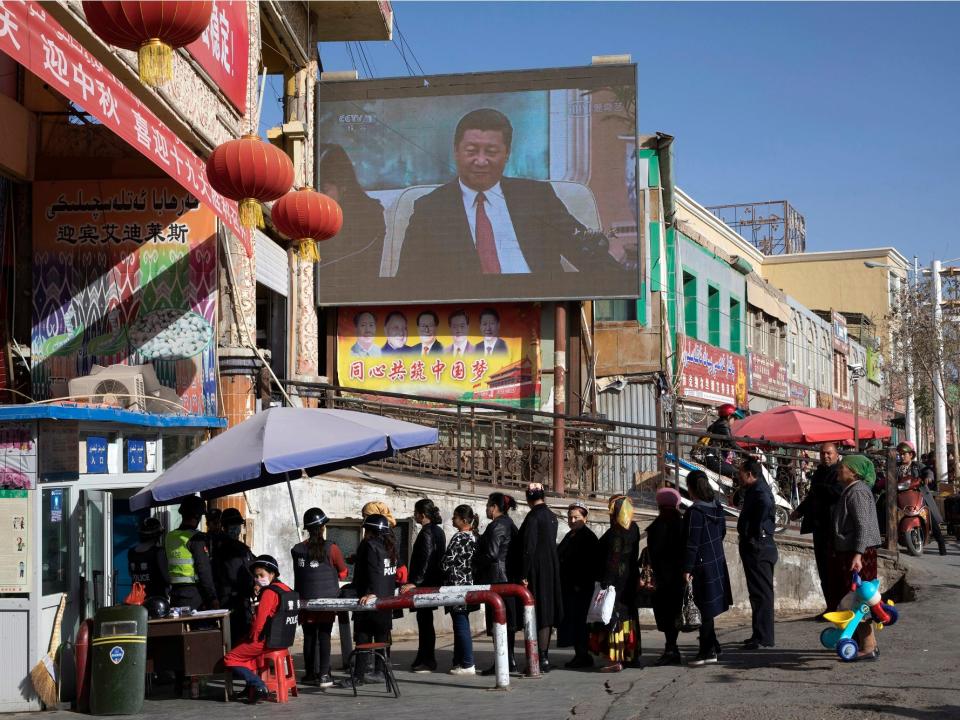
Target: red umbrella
799,425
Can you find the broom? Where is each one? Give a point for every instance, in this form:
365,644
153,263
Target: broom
44,673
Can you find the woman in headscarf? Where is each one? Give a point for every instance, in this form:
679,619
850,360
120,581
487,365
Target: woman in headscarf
618,553
577,552
856,536
666,544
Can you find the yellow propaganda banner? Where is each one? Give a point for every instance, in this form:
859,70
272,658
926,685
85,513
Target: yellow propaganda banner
488,353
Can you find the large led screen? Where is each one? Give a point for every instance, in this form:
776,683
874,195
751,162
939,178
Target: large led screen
481,187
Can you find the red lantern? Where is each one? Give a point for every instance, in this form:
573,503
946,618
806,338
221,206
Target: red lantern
250,171
153,29
307,217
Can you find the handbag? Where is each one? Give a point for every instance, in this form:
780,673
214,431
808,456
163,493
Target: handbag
137,594
601,605
688,619
646,583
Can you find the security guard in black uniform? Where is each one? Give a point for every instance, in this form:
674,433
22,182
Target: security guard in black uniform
758,551
147,559
188,560
231,574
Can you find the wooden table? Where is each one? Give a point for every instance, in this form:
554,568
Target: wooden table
192,646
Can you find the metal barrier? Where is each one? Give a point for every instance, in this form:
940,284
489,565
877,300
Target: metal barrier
448,597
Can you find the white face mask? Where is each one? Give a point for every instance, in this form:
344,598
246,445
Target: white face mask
263,582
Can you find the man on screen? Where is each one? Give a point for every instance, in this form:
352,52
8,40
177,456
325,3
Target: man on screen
492,343
366,329
483,223
395,328
427,323
460,331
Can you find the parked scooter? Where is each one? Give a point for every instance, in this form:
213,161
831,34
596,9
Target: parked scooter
913,516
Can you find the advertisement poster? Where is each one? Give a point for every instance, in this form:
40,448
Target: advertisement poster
223,49
799,394
712,374
480,353
482,187
125,272
18,456
841,338
14,539
767,377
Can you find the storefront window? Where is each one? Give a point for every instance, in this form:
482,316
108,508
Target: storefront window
55,547
176,446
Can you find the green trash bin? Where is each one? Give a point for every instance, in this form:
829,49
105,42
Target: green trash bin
118,660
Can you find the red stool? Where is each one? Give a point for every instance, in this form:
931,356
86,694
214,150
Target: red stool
276,670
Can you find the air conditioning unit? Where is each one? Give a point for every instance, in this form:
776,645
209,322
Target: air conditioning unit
125,390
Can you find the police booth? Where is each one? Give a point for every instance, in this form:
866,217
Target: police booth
67,474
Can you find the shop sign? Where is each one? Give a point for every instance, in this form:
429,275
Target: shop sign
136,455
874,365
18,456
480,353
767,377
842,405
96,454
824,400
711,373
799,394
223,50
841,339
33,38
125,272
14,541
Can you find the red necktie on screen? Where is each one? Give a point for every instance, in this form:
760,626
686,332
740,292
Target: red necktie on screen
486,245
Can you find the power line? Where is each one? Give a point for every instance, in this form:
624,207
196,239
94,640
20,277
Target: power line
404,41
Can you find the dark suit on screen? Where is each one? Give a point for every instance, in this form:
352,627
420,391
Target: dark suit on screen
438,239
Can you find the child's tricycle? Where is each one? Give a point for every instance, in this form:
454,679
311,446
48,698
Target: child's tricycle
861,604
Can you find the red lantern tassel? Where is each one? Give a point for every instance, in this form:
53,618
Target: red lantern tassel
307,250
155,62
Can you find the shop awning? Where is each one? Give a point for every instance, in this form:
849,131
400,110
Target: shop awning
32,37
104,414
760,295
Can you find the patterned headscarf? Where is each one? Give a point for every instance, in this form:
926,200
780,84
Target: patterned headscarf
862,467
621,510
379,508
579,506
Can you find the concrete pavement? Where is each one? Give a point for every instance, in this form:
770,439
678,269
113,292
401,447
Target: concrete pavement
915,677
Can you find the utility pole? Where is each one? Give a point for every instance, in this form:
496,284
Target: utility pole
910,411
939,398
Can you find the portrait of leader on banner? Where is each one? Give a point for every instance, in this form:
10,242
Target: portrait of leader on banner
485,223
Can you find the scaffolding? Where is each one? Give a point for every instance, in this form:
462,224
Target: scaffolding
773,227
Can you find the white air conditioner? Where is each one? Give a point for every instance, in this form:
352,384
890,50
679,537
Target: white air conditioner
125,391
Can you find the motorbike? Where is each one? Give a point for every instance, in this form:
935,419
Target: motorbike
913,516
726,488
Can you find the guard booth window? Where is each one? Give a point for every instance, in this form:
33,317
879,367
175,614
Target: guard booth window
55,545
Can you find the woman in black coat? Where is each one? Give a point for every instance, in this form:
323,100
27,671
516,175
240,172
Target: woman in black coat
577,553
536,567
617,559
490,563
705,562
425,571
667,544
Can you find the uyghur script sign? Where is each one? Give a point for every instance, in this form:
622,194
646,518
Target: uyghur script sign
712,374
33,38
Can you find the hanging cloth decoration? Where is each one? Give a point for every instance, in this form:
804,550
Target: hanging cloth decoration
250,171
307,217
152,29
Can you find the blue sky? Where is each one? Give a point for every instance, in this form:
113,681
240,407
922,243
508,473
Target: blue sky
848,110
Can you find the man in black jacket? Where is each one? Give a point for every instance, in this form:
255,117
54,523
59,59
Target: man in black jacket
816,510
425,571
147,559
717,456
231,574
758,552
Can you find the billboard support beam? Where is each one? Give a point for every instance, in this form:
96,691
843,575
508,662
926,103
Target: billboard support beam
559,392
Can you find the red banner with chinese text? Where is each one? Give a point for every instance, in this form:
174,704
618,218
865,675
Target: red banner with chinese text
480,353
767,377
712,374
33,38
224,48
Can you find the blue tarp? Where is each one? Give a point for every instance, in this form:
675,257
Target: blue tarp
101,414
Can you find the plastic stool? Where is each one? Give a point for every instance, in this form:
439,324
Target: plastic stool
276,670
377,652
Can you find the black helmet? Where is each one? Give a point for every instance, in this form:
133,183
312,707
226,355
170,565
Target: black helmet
315,517
150,527
157,606
267,562
376,522
193,507
230,517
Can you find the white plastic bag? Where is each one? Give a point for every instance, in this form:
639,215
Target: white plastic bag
601,606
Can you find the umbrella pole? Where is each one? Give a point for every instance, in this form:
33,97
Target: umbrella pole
293,504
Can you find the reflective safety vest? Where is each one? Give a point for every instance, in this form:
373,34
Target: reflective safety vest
179,557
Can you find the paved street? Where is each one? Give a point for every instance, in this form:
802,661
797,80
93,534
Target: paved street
914,678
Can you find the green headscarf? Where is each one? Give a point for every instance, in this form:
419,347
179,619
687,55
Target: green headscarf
862,467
